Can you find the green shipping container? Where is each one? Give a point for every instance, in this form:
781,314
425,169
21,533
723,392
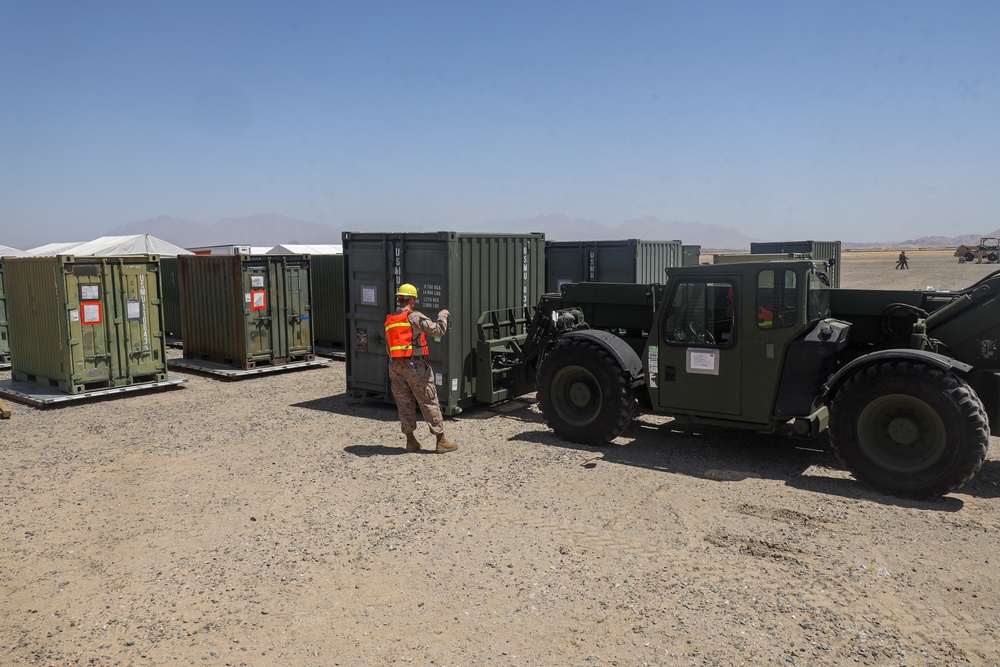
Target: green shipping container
466,273
808,249
170,272
329,301
630,261
85,323
243,310
4,341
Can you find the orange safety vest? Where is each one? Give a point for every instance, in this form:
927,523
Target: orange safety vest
765,317
399,336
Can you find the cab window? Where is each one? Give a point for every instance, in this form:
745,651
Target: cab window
701,313
777,303
818,301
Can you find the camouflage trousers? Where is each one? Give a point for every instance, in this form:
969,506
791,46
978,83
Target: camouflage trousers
415,385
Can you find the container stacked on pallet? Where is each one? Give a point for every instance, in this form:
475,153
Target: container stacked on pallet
245,310
85,323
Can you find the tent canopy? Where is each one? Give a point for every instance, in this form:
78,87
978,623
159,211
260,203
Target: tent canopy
50,249
7,251
108,246
297,249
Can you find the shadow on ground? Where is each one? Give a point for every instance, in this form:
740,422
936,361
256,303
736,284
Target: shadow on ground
732,456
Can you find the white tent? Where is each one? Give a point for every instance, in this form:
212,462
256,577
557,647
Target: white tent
105,246
7,251
50,249
294,249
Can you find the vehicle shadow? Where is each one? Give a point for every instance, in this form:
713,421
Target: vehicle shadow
732,456
366,408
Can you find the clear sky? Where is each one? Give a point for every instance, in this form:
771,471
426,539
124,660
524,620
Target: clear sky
856,120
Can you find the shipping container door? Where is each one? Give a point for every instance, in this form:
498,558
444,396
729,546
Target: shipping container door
372,284
139,319
259,293
425,266
90,292
297,307
612,262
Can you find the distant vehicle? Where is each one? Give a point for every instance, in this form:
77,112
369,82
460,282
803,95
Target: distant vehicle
988,249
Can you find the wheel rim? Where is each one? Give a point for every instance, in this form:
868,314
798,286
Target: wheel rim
576,395
901,433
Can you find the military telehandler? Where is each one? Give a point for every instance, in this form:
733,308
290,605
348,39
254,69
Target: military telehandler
905,382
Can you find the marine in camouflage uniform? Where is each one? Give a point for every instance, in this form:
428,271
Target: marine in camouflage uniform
410,376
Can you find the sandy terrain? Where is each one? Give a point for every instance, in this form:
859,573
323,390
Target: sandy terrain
274,521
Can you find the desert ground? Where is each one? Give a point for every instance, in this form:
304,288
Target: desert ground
276,521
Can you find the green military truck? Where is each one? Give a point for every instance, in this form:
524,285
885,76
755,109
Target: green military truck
905,382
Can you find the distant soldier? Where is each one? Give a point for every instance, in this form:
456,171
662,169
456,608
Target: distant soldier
902,263
412,379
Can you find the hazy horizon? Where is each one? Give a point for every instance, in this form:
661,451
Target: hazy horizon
859,121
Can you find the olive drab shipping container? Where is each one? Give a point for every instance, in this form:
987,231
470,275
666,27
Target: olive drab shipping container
4,340
629,261
329,304
468,274
85,323
244,310
806,249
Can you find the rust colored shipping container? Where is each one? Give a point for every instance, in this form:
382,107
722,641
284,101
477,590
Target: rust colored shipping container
245,310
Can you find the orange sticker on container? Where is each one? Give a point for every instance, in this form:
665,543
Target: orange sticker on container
92,312
258,299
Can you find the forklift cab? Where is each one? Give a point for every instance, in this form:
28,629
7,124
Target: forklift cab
722,335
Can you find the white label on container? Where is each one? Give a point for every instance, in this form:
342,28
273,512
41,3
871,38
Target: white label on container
369,295
74,315
91,313
134,310
454,384
258,301
90,292
438,379
256,281
246,297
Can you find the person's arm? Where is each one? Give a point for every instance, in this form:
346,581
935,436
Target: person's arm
436,328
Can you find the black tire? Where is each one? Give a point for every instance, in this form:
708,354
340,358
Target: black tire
909,429
969,257
584,393
992,258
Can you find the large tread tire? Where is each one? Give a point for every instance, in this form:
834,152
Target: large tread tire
584,393
909,429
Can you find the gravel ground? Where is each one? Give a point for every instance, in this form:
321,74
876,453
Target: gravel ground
275,521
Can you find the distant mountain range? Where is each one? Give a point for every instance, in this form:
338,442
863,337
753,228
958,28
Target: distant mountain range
272,229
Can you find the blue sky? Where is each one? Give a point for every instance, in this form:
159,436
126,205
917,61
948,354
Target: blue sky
860,121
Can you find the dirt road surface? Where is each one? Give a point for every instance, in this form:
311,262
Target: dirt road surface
275,521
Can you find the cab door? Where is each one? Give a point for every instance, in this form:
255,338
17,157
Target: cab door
694,356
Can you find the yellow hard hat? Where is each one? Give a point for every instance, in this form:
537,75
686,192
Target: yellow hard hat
406,289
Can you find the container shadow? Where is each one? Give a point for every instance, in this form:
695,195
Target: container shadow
342,404
731,456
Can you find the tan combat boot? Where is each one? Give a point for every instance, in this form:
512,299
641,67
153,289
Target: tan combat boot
412,444
445,445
